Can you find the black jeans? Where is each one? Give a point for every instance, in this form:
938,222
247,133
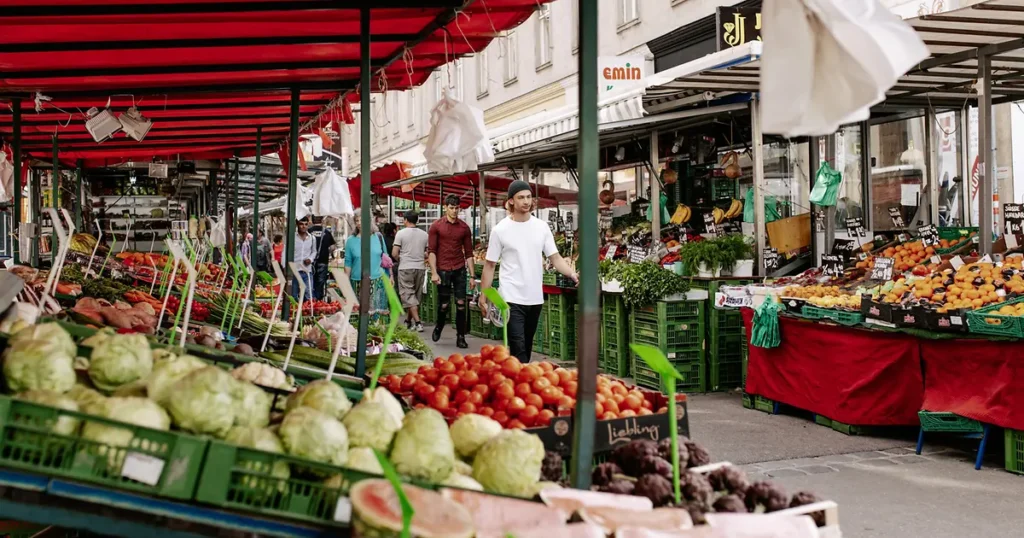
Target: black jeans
320,281
522,327
453,282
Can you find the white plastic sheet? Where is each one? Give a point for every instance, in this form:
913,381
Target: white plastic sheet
218,237
826,62
331,197
6,178
457,141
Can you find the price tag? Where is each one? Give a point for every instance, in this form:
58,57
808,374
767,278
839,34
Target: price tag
956,320
861,256
855,226
569,234
929,235
883,269
142,468
636,254
976,239
610,254
957,262
1011,241
709,224
770,259
343,510
1013,215
903,238
936,259
844,248
832,264
896,216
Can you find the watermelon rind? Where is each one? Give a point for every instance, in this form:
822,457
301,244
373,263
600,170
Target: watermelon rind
372,518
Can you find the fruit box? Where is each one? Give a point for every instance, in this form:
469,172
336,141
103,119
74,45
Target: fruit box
954,321
876,310
794,305
910,317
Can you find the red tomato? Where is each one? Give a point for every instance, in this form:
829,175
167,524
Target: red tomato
566,402
475,398
473,360
553,378
570,388
422,369
447,368
467,407
439,361
419,405
454,356
442,388
608,415
619,388
599,409
564,376
516,425
631,402
510,367
501,417
523,390
627,413
644,412
646,404
505,391
500,355
450,412
486,350
458,361
439,401
528,415
469,379
544,417
540,384
462,396
450,380
424,391
610,406
500,404
662,409
546,366
432,375
516,406
488,363
485,411
549,395
497,378
534,400
482,390
408,382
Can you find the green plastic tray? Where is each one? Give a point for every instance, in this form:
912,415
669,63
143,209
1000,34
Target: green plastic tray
948,422
987,320
1015,451
841,317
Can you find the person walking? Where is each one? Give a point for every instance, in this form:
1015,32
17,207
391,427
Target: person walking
263,252
278,248
246,249
521,242
325,245
450,255
354,267
303,256
409,253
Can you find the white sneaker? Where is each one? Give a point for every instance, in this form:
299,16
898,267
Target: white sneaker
419,327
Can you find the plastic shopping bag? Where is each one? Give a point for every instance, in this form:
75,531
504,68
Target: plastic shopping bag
218,236
456,135
826,186
331,197
771,214
6,178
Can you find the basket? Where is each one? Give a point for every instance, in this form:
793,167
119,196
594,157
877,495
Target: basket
1015,451
948,422
842,317
988,320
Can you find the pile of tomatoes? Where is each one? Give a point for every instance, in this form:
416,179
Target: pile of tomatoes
496,385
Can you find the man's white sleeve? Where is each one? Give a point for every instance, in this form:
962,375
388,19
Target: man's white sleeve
550,249
494,248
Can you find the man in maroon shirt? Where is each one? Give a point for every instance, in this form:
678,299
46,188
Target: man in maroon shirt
450,248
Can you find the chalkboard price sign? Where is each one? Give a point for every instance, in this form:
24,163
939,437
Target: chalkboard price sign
636,254
1013,214
883,269
855,226
844,247
709,224
896,216
832,264
929,235
770,259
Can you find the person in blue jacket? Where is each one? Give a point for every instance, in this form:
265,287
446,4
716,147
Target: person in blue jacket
354,265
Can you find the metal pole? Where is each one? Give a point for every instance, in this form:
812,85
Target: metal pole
814,158
256,194
655,193
474,217
366,223
483,203
830,211
965,166
55,193
755,134
16,224
589,296
235,228
986,154
293,180
933,159
78,193
865,172
213,193
35,197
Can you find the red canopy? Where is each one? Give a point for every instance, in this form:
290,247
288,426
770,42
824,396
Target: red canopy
208,72
465,185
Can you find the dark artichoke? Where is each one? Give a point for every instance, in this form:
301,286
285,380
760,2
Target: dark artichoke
804,498
630,455
620,486
665,449
552,468
730,504
656,465
698,456
696,489
655,487
730,479
765,497
603,473
696,514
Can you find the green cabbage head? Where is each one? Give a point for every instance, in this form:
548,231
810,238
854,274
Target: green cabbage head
119,360
203,402
363,459
41,357
64,424
370,425
97,337
167,372
462,481
322,395
314,435
133,410
423,449
509,464
252,405
470,432
260,439
88,400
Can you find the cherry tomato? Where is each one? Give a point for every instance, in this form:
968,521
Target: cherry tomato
408,382
485,411
510,367
483,390
544,417
475,398
462,396
500,417
469,379
540,384
534,400
467,407
432,375
450,380
528,415
515,406
505,391
523,390
516,424
447,368
439,401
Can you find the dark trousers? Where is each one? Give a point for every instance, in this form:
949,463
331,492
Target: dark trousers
320,281
453,283
522,327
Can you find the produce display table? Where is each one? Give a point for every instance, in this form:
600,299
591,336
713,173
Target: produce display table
978,379
854,376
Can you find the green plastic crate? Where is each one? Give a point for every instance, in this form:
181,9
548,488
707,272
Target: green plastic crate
822,420
841,317
948,422
614,363
760,403
242,479
561,327
669,326
168,463
540,338
725,363
724,320
724,189
689,364
746,355
1014,451
477,327
988,320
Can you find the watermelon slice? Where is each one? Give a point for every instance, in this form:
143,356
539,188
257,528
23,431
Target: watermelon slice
377,514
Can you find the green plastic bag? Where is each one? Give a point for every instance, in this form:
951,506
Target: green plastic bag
826,186
663,203
765,331
771,213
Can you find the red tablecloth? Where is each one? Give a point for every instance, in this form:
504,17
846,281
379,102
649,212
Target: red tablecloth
978,379
854,376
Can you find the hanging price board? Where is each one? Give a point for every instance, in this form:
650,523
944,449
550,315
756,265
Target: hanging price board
896,216
929,235
1013,214
883,269
770,259
844,248
832,264
855,226
636,254
709,224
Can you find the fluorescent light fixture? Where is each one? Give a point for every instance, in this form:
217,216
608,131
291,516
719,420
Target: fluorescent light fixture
135,125
102,125
620,153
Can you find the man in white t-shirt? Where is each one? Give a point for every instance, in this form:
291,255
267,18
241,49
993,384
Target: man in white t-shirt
521,242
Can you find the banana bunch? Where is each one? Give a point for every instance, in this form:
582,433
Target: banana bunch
735,209
682,214
718,214
83,243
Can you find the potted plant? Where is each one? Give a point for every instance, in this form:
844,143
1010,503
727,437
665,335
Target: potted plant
702,258
737,256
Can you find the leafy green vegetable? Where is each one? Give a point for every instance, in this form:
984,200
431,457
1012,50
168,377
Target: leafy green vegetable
40,357
645,283
314,435
204,402
119,360
509,464
322,395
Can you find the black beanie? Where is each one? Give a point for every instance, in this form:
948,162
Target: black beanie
516,187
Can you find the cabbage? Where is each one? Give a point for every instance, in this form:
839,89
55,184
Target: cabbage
370,425
100,336
462,481
471,431
462,467
137,411
64,424
363,459
314,435
167,372
262,374
260,439
135,388
383,396
322,395
162,354
423,449
41,357
509,464
252,405
119,360
203,402
88,400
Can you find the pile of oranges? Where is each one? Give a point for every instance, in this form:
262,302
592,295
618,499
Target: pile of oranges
972,286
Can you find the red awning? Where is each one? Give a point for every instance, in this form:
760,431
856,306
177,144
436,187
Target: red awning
465,185
208,72
388,173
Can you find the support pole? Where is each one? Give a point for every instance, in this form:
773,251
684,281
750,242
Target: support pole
758,152
213,193
54,194
256,196
366,220
932,174
16,224
78,193
965,166
35,199
475,231
293,180
483,203
986,154
655,193
235,228
814,160
588,328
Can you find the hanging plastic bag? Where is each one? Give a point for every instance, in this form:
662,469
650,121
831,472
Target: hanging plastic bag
765,331
6,178
218,237
456,137
771,214
826,186
331,197
826,62
663,204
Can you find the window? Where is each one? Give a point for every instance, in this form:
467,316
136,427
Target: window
629,12
438,86
483,76
575,8
458,84
543,50
511,57
898,171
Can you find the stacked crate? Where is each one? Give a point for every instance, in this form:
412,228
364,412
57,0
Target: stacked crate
725,338
613,355
540,338
561,327
428,305
677,329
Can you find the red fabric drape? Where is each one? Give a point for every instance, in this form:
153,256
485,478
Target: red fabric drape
978,379
854,376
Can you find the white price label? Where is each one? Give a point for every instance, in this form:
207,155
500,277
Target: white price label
957,262
956,320
1011,241
343,510
142,468
985,259
936,259
611,252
